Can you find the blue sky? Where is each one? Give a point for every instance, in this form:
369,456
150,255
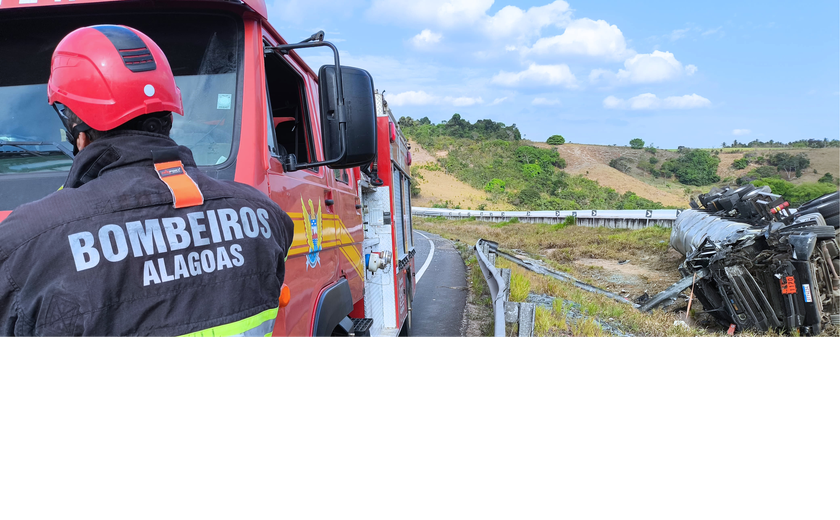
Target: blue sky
597,72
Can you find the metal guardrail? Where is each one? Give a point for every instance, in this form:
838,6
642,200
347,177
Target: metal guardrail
534,267
498,280
623,218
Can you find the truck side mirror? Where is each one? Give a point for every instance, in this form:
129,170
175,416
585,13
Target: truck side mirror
359,132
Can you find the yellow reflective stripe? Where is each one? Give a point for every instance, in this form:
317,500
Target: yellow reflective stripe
237,327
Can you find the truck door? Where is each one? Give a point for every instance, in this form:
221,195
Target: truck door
349,228
304,194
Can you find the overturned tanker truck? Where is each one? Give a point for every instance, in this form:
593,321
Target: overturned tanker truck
756,263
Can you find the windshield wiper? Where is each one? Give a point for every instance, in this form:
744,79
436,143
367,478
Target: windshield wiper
21,144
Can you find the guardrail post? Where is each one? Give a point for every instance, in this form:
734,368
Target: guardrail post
527,317
511,312
506,277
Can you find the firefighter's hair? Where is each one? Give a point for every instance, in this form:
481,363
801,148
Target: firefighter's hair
156,123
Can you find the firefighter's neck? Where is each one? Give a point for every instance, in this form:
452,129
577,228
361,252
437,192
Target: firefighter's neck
82,141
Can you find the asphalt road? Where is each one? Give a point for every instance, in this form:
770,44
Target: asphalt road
441,293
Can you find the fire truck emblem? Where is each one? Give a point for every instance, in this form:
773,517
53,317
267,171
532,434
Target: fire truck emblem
314,228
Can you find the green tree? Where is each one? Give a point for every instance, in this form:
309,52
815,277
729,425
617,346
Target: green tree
693,167
741,163
637,144
790,164
556,140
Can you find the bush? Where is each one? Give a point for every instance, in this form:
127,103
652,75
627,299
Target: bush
637,144
556,140
650,150
763,171
495,186
622,164
740,164
653,160
415,187
828,178
693,167
796,194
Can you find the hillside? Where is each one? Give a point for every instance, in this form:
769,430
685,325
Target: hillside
592,161
487,165
439,188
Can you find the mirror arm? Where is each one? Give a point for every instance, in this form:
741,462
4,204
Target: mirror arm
341,113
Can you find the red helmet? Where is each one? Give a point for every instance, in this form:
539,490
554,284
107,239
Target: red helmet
110,74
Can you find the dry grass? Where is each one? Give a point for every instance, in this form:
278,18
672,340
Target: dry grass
565,243
824,160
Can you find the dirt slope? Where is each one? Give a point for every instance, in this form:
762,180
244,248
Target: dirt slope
437,187
592,162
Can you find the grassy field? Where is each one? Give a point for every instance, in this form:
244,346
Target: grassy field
626,262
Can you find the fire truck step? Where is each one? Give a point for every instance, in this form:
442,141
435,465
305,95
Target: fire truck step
361,326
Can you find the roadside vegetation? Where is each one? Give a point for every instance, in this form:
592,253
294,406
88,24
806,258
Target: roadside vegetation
563,309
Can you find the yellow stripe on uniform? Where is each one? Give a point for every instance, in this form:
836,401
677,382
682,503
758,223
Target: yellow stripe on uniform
260,325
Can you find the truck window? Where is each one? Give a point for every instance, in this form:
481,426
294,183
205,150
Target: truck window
203,49
341,175
289,115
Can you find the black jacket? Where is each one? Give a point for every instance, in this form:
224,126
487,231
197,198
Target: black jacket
109,255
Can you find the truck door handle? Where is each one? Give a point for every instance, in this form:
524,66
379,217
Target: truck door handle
329,202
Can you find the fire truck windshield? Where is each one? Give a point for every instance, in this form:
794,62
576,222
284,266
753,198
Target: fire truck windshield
203,50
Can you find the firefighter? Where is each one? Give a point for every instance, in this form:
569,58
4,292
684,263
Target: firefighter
138,242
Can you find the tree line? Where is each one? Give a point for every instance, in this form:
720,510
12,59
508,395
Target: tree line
801,143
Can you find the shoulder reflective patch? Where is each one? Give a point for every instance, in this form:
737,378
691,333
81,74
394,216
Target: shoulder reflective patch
185,192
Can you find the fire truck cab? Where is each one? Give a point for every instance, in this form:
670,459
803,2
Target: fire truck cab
255,113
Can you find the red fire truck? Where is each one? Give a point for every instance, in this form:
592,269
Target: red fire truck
325,147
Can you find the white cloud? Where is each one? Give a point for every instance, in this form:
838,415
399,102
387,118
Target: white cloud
652,102
463,101
655,67
714,31
513,22
545,102
509,22
741,131
414,97
538,75
676,34
426,39
497,101
585,37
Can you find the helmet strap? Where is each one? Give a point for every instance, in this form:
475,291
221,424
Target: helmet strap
71,131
